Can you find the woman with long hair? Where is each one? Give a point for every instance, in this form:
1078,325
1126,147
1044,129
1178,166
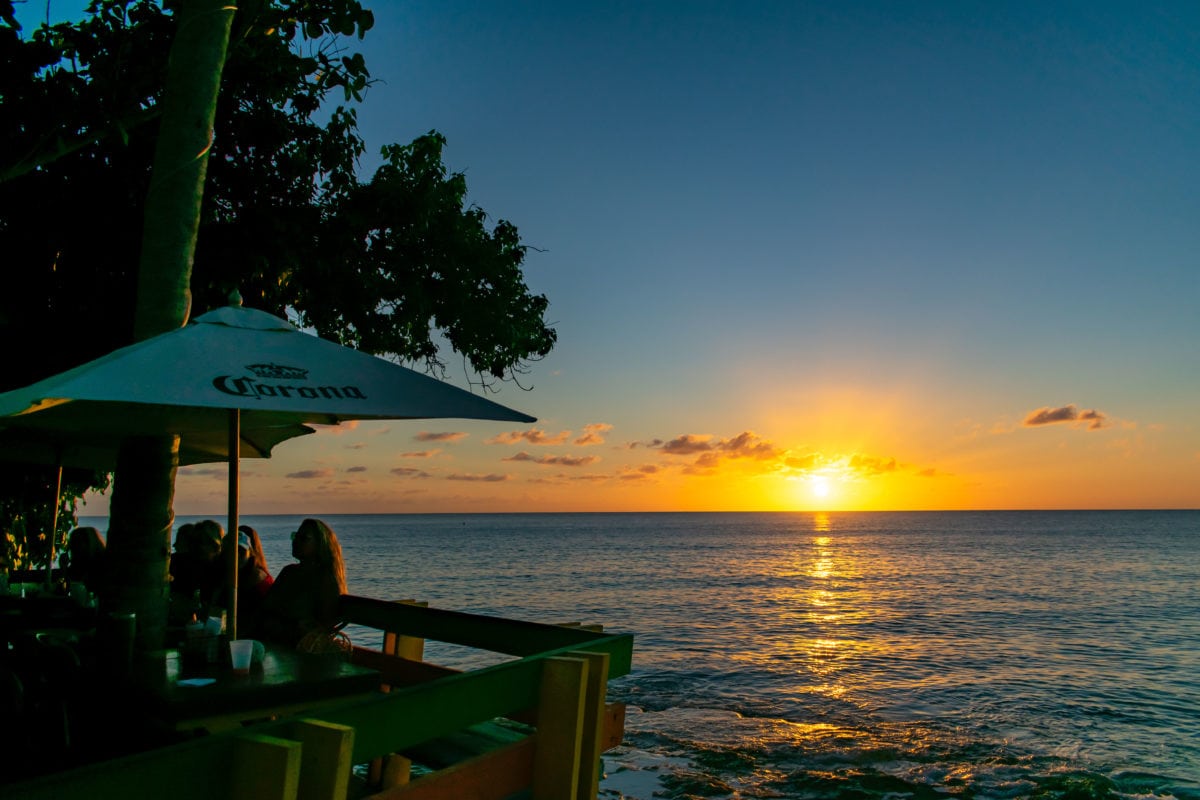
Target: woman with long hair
305,595
254,580
83,557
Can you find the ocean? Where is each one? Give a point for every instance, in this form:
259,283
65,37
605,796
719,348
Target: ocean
844,655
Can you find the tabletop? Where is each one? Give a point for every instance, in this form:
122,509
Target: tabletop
284,682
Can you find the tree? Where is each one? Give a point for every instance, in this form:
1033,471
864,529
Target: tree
391,265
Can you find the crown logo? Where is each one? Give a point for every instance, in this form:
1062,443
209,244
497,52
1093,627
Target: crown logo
278,371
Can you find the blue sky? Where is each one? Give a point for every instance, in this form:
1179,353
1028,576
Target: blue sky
864,233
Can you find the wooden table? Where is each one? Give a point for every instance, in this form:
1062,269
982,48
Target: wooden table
36,613
285,683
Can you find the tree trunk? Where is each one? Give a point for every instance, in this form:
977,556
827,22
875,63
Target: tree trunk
141,512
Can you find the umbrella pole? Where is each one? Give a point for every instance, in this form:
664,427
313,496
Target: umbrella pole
54,520
235,441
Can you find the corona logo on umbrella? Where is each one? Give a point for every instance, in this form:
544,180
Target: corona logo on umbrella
246,386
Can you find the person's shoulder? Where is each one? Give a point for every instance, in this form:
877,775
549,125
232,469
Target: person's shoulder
287,570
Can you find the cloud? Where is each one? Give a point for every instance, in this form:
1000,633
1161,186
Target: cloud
653,444
805,462
1092,419
409,472
532,436
746,444
932,473
872,465
357,469
444,436
688,444
593,434
356,446
205,472
421,454
307,474
336,430
490,478
562,461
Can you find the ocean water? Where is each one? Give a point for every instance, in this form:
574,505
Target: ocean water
845,655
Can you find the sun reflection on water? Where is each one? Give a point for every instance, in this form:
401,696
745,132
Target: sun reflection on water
818,593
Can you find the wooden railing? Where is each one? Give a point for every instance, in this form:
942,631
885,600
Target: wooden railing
444,719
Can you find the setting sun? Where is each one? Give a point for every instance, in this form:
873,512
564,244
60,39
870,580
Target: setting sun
820,486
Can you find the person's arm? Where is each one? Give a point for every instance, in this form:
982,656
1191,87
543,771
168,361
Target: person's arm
328,601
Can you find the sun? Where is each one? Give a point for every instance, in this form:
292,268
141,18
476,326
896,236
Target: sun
819,485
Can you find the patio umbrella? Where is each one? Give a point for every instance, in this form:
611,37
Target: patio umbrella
230,369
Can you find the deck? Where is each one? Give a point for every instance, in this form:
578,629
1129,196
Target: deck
532,726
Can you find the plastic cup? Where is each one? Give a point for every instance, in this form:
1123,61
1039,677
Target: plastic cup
240,653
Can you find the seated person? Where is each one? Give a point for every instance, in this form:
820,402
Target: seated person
253,579
195,567
305,596
83,558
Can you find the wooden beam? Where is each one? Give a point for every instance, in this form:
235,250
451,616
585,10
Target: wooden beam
560,729
591,743
410,647
264,768
397,771
495,775
614,725
396,671
509,636
326,763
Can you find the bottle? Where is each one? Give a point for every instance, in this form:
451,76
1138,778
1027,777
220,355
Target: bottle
197,609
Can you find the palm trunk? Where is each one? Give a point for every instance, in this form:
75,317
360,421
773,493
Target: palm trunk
142,512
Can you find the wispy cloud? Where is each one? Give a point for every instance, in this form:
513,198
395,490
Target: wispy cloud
932,473
532,436
336,430
562,461
409,472
872,465
356,469
441,436
746,444
205,472
1091,419
593,434
309,474
489,478
688,444
421,454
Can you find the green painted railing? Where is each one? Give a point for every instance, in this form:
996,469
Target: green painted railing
402,719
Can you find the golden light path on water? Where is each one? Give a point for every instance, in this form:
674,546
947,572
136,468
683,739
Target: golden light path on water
822,599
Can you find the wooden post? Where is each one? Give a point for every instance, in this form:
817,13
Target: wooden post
325,767
560,729
397,771
592,743
264,768
412,648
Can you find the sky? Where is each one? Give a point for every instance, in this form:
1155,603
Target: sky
803,256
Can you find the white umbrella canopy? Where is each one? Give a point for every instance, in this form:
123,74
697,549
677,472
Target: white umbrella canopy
187,380
233,369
